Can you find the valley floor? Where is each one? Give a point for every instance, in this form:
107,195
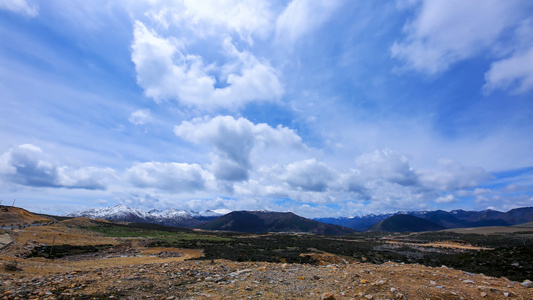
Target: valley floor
129,270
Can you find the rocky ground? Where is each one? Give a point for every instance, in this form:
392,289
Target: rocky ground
129,270
229,280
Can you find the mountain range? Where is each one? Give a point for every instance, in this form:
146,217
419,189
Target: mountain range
402,223
268,221
263,221
168,217
453,219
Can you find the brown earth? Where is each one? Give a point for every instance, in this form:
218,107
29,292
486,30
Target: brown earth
13,216
129,270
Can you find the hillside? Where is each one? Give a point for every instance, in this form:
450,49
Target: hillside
402,223
260,222
13,216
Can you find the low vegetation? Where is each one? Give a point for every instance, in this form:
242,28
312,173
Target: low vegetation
166,233
59,251
509,255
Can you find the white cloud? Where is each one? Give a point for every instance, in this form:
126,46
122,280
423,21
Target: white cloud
247,18
301,17
514,73
386,164
173,177
20,6
87,178
28,165
140,117
452,176
447,31
307,175
166,71
474,192
234,140
383,178
446,199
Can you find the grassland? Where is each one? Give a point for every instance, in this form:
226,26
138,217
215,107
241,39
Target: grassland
496,254
502,254
169,234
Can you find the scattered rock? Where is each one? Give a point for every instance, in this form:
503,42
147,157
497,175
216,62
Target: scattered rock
328,296
527,284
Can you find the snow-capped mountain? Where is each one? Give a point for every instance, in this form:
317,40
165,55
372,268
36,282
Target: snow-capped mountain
169,217
115,213
211,213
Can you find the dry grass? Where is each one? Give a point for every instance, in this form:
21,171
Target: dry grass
10,215
528,227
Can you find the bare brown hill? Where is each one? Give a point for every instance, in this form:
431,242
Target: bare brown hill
13,216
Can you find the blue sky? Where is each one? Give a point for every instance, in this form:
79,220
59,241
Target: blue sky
323,108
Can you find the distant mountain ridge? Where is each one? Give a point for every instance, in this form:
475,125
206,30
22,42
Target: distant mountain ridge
187,218
267,221
402,223
168,217
453,219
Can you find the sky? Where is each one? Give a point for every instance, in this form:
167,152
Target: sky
323,108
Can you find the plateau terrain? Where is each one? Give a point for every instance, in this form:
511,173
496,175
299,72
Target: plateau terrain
87,258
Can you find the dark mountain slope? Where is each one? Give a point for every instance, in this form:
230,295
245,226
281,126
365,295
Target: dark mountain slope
453,219
401,223
260,221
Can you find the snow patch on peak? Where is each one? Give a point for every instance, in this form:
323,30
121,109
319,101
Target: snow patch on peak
168,216
214,212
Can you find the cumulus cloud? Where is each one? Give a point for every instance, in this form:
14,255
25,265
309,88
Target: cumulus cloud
234,140
301,17
173,177
381,179
247,18
386,164
28,165
452,176
308,175
20,6
140,117
447,31
166,71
